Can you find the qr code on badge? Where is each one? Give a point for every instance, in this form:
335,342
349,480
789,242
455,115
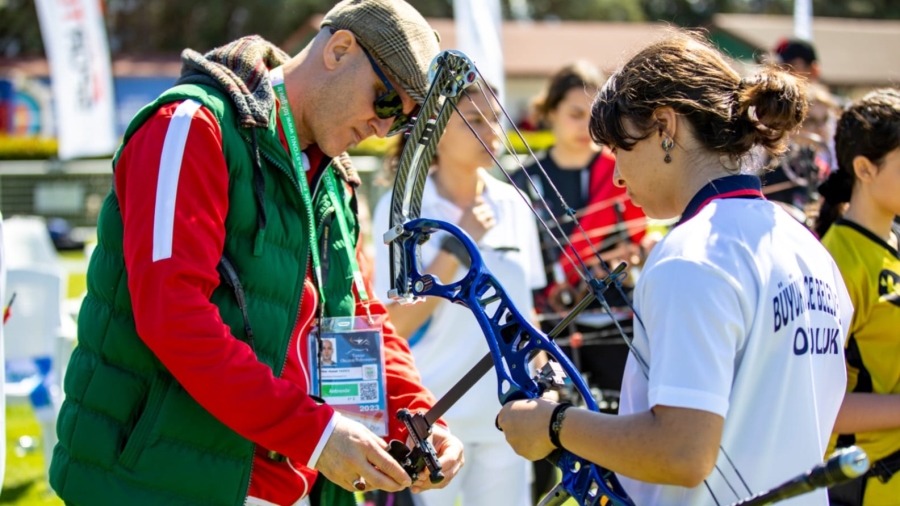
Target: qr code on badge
370,371
368,391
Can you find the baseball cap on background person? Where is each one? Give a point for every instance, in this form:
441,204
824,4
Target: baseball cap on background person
800,55
395,34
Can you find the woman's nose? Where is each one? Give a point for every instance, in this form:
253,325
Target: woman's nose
617,178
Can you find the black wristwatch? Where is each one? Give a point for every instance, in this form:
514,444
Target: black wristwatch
556,421
455,247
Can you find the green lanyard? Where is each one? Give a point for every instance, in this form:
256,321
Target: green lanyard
331,186
290,132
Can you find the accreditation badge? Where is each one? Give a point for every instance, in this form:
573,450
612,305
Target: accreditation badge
346,357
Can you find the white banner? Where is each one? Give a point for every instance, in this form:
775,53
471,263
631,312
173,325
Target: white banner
803,12
81,78
478,25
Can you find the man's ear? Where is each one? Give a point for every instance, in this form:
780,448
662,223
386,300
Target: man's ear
864,169
339,45
666,121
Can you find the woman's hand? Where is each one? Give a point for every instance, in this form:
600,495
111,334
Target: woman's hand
526,425
478,219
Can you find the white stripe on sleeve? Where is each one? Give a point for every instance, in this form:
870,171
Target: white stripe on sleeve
167,186
326,434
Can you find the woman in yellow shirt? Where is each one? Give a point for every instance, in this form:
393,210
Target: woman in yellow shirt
863,238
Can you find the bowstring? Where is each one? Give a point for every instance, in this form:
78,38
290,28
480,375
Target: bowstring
584,271
607,234
569,210
571,213
585,274
617,281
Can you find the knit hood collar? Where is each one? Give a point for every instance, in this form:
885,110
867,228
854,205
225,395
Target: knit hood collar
241,69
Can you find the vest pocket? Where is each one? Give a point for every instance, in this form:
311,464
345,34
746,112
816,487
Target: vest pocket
136,441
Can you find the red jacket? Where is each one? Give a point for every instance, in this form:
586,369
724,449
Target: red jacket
608,211
190,339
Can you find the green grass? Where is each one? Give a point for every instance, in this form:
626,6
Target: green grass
25,483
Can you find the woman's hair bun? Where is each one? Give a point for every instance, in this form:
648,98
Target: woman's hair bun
770,105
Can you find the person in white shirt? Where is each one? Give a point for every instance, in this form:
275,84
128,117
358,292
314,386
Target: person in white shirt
743,313
445,338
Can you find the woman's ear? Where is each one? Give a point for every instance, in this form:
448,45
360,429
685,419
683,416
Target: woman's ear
666,121
864,169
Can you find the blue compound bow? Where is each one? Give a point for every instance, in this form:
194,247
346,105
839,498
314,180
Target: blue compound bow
511,337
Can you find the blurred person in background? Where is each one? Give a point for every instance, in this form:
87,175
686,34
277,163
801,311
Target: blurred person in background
582,172
809,158
445,338
713,354
190,381
798,57
863,238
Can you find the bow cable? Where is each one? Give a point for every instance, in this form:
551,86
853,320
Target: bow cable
590,280
611,279
448,84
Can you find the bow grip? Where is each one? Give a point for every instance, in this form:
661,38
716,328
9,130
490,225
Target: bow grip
423,454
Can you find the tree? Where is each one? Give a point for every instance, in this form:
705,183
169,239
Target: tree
167,26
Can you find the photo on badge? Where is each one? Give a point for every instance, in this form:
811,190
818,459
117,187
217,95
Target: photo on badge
346,359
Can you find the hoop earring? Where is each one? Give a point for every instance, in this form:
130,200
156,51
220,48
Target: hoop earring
667,145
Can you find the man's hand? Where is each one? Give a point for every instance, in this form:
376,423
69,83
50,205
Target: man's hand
353,452
450,453
526,425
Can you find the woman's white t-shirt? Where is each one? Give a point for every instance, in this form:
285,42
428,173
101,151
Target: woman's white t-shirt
744,315
452,343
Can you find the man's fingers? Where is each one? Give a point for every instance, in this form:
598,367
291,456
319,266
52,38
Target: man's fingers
375,479
389,467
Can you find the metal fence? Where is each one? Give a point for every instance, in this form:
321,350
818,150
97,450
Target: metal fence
75,190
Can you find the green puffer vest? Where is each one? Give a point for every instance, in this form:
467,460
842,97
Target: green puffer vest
129,434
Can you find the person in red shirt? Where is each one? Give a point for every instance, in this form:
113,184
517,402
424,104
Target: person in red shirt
174,185
581,171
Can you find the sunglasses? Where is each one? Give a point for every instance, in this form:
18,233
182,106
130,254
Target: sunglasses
389,104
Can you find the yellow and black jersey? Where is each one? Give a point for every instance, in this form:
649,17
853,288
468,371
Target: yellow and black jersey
871,271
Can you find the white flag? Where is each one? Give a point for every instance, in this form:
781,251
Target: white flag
803,20
478,25
80,76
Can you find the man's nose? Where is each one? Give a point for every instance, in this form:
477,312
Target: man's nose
381,126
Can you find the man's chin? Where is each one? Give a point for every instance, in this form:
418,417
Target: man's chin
335,147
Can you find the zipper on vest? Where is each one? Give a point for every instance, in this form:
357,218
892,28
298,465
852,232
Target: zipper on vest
284,361
302,281
299,303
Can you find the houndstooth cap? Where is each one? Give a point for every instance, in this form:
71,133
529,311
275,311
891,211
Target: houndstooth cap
396,35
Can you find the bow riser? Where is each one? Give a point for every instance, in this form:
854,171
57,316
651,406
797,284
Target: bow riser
513,341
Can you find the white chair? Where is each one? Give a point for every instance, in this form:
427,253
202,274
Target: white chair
39,337
3,301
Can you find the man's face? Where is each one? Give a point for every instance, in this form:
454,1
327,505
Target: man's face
799,67
327,351
346,114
